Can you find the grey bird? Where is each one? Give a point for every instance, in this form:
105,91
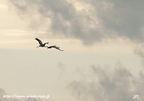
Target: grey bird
54,47
40,43
48,47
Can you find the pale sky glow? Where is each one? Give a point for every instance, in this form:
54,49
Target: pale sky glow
102,42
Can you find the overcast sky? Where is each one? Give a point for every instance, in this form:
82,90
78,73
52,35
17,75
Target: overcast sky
103,49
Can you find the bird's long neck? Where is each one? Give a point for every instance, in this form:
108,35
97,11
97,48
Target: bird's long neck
46,43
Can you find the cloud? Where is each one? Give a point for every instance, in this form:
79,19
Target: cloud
139,50
106,84
62,68
87,20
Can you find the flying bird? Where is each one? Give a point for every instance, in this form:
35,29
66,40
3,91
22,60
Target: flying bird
48,47
40,43
54,47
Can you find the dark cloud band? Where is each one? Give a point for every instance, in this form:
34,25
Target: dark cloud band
89,21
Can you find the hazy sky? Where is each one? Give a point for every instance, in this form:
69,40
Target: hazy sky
102,42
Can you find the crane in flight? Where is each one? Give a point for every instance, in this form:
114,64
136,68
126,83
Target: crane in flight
44,45
54,47
40,43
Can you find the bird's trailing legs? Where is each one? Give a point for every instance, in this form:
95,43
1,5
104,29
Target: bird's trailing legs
40,46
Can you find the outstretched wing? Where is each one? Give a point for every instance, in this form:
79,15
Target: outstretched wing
55,47
40,42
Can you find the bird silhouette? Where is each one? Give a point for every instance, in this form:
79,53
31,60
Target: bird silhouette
48,47
54,47
40,43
